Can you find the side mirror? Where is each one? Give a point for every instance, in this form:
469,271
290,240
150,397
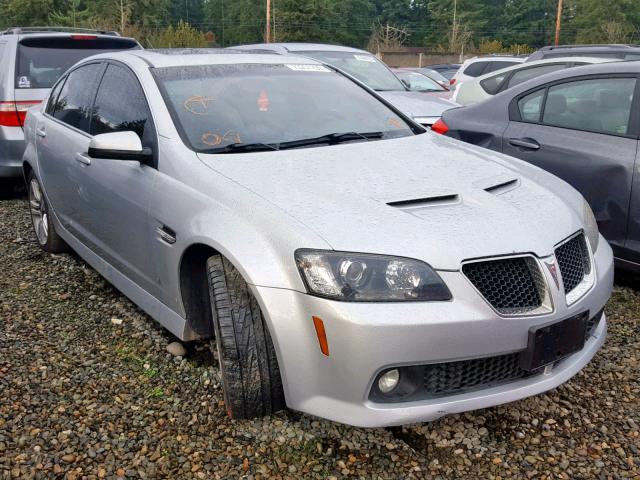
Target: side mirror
119,146
406,83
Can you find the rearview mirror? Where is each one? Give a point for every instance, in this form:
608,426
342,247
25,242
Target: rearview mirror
119,146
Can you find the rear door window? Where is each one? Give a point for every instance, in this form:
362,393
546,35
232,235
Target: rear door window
600,105
53,97
533,72
121,106
74,103
42,60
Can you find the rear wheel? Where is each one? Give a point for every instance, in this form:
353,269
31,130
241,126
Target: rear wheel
250,375
46,234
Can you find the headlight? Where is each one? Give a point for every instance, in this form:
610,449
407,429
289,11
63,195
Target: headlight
590,226
357,277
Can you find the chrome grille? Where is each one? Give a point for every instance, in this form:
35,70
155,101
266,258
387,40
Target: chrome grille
512,286
573,260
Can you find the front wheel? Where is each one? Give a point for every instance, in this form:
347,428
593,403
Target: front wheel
45,231
251,380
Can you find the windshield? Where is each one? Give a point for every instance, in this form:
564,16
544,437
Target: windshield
363,66
217,107
419,83
42,60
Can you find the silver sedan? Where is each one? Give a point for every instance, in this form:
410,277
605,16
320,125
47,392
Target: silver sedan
344,261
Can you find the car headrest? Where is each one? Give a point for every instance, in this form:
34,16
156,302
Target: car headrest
584,107
611,99
556,104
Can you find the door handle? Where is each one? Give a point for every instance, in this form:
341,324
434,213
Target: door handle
526,143
41,132
82,158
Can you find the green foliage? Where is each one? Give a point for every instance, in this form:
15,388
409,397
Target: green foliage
596,21
495,46
183,35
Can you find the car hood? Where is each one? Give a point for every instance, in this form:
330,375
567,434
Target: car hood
426,196
418,104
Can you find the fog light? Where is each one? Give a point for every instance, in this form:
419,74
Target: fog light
389,381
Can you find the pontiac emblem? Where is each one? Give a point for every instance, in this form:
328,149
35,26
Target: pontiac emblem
554,272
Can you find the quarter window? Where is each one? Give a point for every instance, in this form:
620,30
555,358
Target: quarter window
475,69
599,105
491,85
530,106
73,105
121,106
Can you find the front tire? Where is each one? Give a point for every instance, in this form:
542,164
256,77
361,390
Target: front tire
45,231
250,375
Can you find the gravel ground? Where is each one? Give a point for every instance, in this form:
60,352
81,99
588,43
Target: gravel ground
88,390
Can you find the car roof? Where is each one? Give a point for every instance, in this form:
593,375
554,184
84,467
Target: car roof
606,68
595,47
494,58
544,61
198,56
298,47
22,32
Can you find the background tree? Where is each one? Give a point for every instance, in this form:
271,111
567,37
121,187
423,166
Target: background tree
505,25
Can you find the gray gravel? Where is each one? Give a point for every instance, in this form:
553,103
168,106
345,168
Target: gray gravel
88,390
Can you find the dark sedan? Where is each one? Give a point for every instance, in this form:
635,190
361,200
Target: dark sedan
581,124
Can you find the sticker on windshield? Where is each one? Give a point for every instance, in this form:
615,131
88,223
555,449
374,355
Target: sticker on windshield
365,58
24,82
308,68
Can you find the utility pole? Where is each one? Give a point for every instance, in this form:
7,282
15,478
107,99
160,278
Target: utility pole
268,35
454,30
558,19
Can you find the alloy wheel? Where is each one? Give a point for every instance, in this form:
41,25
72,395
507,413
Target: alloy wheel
39,214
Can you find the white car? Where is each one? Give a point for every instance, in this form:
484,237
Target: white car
477,89
477,66
343,260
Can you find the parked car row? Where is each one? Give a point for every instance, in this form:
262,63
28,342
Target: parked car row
368,69
290,203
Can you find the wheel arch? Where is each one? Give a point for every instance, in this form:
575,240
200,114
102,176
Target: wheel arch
26,170
194,288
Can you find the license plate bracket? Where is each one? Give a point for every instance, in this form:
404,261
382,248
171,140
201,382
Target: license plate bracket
554,341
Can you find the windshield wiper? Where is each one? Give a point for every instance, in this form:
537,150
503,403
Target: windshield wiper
331,139
242,147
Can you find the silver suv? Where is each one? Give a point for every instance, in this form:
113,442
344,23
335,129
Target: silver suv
31,61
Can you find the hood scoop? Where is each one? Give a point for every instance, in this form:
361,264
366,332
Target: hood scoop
419,203
497,185
503,187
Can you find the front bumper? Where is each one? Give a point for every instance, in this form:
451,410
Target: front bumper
365,339
12,147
